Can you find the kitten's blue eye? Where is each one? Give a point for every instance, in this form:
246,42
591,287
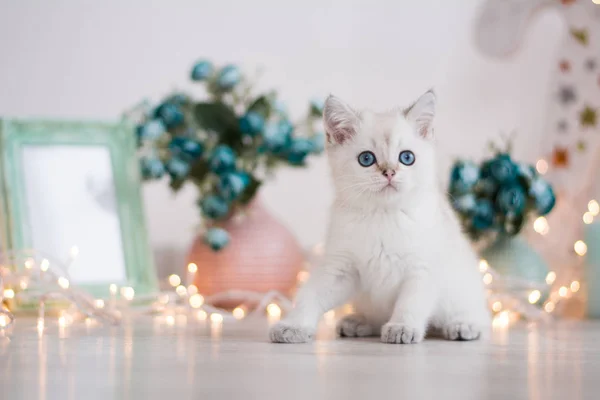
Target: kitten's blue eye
407,157
366,159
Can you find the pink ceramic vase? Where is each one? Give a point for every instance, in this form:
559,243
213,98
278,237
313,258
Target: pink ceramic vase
262,255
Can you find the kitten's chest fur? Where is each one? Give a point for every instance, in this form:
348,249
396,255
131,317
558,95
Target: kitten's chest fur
387,243
386,248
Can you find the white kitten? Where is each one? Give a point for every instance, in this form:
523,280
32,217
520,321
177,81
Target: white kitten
394,245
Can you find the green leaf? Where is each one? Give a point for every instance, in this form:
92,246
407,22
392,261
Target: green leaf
221,119
250,191
262,106
176,184
199,169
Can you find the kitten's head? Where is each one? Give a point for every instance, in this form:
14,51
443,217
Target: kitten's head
381,158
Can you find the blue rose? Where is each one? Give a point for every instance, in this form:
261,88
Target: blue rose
181,145
214,207
216,238
252,123
233,184
464,176
465,203
483,215
511,199
501,168
177,168
170,114
178,99
298,150
526,172
318,142
280,108
152,168
202,70
222,159
277,136
543,195
228,77
151,130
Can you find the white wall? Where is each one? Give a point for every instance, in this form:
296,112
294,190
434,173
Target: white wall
84,59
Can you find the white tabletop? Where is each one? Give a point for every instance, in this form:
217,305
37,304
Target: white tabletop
149,359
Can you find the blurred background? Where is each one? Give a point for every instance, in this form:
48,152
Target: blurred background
93,60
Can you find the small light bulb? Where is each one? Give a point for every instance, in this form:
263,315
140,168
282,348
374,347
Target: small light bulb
170,320
497,306
588,218
44,265
201,315
9,294
128,293
174,280
563,291
302,276
99,303
163,298
74,251
113,289
63,282
217,318
487,278
549,307
534,296
196,300
192,289
238,313
541,166
540,225
4,321
65,320
40,325
575,286
192,268
181,290
329,315
483,265
273,310
580,247
29,263
594,207
551,277
23,284
501,320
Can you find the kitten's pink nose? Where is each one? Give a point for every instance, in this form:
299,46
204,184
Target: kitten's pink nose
389,173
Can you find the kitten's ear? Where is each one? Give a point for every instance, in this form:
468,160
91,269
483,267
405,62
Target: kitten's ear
341,121
421,114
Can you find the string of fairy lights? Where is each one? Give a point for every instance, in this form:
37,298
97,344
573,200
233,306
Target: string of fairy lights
29,280
510,300
34,279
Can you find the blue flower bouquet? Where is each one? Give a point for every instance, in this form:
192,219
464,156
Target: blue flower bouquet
498,195
225,145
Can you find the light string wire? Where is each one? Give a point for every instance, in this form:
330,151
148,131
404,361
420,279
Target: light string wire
32,280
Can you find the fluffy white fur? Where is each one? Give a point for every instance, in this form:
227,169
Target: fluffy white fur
393,246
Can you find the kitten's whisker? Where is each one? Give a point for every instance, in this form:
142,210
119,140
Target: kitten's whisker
357,194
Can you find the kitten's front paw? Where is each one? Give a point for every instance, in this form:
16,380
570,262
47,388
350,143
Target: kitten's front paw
283,332
401,333
461,331
354,326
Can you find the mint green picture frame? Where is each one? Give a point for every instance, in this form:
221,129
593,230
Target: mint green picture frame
119,138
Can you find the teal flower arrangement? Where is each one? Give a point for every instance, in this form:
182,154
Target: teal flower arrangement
226,144
498,195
